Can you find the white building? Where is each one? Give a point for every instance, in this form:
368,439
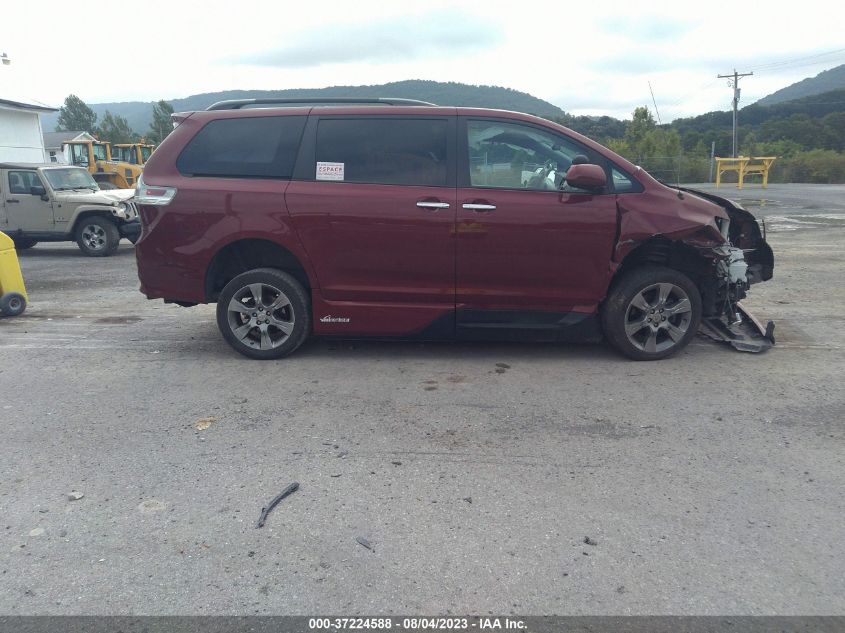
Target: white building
20,132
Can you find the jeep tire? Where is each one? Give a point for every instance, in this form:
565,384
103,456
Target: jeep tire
23,243
97,236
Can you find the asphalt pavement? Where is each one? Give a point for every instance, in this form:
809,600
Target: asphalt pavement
486,478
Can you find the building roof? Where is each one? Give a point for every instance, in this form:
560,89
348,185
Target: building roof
31,107
55,139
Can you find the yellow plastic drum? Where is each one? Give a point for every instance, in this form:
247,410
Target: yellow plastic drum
13,297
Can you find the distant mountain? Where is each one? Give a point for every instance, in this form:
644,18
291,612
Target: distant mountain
815,107
833,79
139,114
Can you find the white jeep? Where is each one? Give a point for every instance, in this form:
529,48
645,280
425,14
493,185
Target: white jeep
58,203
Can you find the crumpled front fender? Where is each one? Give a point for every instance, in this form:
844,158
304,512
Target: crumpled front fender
670,214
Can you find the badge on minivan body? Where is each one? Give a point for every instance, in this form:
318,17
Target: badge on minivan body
332,319
329,171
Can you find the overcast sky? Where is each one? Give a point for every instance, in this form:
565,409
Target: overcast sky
585,57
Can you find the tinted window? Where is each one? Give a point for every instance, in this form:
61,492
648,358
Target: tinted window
516,156
259,147
23,181
385,151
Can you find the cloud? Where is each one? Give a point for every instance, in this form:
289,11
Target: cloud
435,34
635,61
648,27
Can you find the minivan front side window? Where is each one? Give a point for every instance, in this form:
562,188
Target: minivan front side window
515,156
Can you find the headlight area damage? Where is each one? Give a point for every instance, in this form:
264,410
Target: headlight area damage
715,242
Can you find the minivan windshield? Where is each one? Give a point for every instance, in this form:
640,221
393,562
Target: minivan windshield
68,178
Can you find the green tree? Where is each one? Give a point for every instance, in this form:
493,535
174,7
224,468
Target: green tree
115,129
641,124
162,125
834,128
75,116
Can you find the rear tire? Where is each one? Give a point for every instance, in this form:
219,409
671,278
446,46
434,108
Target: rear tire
264,314
21,244
651,313
12,304
97,236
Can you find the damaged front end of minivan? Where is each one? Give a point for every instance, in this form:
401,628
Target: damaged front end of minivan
716,243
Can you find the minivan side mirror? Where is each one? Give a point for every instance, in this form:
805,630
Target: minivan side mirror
586,176
38,190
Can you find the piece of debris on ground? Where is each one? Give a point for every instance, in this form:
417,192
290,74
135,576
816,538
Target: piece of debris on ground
267,509
203,423
362,541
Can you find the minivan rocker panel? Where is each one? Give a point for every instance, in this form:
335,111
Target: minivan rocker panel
437,223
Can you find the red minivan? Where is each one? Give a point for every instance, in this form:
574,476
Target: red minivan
393,218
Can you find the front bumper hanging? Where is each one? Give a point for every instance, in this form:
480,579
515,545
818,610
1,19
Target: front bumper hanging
747,334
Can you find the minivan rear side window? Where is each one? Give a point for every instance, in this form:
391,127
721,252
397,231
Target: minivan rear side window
249,147
383,151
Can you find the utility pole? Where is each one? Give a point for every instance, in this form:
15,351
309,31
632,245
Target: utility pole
734,82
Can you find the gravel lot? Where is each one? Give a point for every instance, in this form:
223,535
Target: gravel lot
710,483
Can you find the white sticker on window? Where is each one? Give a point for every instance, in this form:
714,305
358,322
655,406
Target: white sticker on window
329,171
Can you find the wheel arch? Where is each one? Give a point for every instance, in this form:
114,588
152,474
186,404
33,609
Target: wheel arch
659,250
245,254
87,212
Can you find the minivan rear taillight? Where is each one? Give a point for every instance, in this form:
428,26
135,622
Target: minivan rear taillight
153,194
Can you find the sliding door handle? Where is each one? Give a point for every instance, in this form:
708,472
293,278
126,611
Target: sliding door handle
432,205
479,207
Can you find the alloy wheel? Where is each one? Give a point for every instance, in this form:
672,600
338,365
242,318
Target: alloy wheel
658,317
94,237
260,316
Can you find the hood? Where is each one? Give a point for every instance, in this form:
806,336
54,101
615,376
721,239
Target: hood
109,197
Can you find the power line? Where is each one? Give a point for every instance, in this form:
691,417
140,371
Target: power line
786,62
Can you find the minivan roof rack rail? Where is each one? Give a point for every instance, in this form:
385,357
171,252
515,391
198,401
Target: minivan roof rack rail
237,104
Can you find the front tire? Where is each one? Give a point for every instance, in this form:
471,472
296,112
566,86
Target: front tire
651,313
97,236
264,314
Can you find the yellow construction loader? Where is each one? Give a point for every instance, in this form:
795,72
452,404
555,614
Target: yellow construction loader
96,157
134,153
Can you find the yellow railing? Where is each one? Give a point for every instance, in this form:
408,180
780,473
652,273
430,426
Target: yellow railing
744,166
